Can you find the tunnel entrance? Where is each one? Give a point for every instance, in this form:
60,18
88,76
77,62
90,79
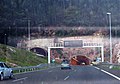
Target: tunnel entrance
80,60
40,51
77,43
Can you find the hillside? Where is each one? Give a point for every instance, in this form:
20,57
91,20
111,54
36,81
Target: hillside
17,15
14,13
18,57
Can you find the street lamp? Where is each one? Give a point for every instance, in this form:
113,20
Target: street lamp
5,39
29,35
109,15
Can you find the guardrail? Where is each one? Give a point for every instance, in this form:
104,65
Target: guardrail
109,65
32,68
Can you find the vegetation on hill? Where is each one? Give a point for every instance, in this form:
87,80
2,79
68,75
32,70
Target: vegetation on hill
51,13
18,57
58,12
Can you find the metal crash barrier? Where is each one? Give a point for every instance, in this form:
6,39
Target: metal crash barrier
109,65
33,68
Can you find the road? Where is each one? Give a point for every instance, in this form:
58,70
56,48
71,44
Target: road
77,75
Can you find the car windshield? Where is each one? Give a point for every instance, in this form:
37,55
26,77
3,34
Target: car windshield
1,65
6,65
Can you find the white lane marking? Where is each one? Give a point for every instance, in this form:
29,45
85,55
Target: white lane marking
50,71
110,74
75,70
66,77
20,79
42,82
97,68
56,77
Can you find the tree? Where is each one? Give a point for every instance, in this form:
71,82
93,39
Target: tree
71,16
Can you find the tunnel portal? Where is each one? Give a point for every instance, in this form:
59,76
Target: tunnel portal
80,60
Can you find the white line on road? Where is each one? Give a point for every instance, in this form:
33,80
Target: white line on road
50,71
20,79
42,82
56,77
108,73
66,77
97,68
75,70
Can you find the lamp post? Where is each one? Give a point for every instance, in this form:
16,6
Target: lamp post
109,16
29,35
5,39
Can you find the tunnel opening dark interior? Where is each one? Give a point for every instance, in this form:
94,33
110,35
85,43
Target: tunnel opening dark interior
80,60
40,51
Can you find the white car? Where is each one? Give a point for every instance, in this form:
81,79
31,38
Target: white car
65,65
5,71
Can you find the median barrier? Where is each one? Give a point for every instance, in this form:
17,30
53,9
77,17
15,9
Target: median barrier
109,65
32,68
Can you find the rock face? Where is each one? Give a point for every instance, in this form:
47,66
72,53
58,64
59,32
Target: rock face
116,53
119,60
118,56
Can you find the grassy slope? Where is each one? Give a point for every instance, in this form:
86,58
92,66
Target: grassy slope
19,57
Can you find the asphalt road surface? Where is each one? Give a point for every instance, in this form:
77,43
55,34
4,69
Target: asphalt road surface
77,75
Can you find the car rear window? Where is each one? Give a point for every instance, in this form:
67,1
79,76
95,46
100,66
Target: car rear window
65,61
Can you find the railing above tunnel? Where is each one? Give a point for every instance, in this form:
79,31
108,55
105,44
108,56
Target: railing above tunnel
92,44
85,44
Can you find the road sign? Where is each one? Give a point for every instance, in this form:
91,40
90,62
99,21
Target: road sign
73,43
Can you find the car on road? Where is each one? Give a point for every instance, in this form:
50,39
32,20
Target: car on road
65,64
5,71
